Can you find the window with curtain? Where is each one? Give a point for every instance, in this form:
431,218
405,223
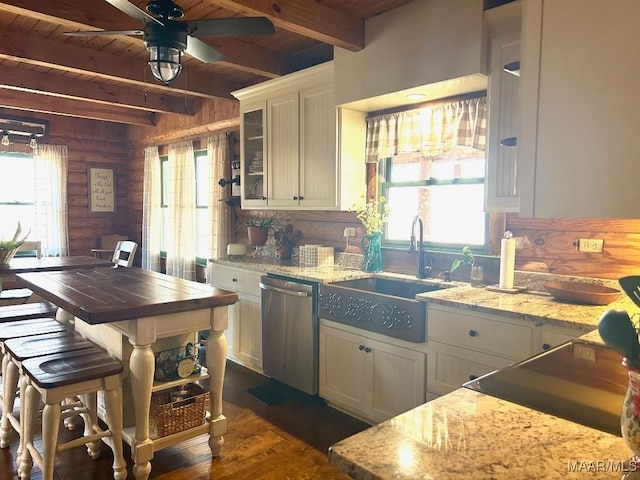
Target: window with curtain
33,190
183,217
432,164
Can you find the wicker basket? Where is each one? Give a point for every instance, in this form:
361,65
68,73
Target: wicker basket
177,363
6,254
171,414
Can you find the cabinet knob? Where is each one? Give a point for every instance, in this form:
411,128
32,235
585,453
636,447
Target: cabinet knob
367,350
295,198
472,377
300,198
546,346
472,333
234,279
361,347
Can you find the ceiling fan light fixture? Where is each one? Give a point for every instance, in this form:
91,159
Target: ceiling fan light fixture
33,142
5,138
165,63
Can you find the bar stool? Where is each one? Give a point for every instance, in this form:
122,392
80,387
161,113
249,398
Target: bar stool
52,378
23,328
19,349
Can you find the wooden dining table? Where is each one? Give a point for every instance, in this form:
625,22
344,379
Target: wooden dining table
144,307
17,265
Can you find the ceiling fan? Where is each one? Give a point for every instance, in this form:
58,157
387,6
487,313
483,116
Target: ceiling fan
166,38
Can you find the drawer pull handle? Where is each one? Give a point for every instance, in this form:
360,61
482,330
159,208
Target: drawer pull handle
546,346
367,349
360,347
472,333
472,377
234,279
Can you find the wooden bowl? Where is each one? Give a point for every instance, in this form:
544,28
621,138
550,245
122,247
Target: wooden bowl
584,293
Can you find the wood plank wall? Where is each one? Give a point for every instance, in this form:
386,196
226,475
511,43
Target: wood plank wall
91,143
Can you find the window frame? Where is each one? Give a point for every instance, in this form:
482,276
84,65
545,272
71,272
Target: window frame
384,186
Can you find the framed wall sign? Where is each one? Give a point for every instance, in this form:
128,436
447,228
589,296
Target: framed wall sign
102,189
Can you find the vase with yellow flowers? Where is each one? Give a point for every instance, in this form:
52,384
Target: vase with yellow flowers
373,215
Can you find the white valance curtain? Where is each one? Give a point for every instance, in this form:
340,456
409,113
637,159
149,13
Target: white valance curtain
50,165
181,203
219,214
151,210
431,130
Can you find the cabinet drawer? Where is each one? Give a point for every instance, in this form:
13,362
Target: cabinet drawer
236,279
449,367
479,333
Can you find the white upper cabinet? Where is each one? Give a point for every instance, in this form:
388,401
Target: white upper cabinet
301,166
577,144
504,48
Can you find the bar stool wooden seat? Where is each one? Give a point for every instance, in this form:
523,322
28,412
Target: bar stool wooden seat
16,350
52,379
25,311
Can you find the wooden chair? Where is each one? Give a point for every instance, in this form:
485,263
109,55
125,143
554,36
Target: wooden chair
108,244
124,253
30,248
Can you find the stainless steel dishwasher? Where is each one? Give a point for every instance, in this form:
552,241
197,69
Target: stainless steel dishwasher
290,331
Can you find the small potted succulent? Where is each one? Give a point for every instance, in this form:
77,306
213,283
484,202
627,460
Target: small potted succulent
258,227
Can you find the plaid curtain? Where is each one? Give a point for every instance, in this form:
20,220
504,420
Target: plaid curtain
431,130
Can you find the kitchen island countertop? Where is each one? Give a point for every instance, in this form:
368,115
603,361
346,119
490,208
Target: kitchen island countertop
471,436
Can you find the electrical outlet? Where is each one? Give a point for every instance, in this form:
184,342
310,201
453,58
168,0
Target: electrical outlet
592,245
349,232
584,351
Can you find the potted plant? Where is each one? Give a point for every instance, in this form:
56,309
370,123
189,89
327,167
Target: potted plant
467,258
8,248
373,215
258,226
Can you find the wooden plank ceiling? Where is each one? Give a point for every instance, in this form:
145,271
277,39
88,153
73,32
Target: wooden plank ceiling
107,77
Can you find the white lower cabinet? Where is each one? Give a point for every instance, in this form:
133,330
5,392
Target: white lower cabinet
449,366
367,376
552,336
244,334
464,344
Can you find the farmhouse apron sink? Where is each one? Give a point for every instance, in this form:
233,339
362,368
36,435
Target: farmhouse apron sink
381,305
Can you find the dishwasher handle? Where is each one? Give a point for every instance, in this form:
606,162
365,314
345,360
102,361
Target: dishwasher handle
284,291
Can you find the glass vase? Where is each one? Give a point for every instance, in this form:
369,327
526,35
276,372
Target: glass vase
371,246
630,415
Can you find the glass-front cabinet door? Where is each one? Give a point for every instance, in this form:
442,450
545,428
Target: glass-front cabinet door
253,153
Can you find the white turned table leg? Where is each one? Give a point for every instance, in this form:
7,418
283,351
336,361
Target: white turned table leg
216,349
142,366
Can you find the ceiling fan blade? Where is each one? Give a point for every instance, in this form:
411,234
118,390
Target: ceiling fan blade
203,52
133,11
85,33
224,27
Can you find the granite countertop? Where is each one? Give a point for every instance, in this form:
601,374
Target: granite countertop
533,305
469,435
537,307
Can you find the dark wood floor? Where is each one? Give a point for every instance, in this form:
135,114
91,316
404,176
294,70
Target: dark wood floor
287,440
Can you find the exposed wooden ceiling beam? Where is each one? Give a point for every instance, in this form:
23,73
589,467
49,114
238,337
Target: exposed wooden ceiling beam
305,17
74,108
64,57
102,16
75,88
